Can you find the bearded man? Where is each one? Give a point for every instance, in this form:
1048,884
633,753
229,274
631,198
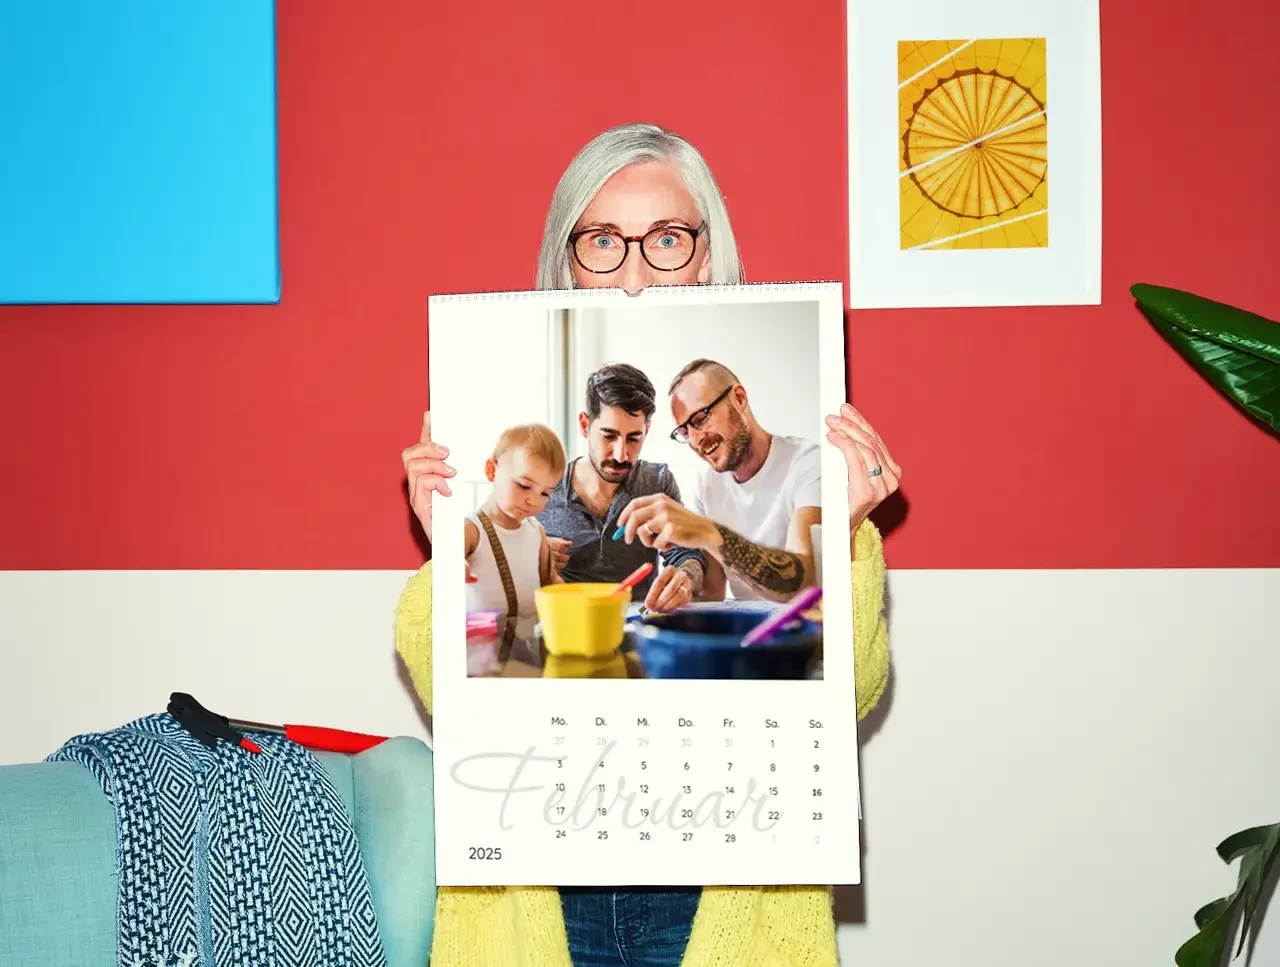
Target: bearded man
583,512
755,502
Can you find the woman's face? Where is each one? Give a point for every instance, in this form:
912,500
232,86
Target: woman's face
634,202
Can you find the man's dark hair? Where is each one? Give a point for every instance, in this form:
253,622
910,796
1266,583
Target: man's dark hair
622,386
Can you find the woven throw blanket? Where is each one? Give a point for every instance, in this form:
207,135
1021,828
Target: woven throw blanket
226,858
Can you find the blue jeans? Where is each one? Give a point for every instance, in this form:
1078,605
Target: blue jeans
637,927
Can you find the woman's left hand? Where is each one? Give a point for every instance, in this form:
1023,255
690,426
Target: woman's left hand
873,473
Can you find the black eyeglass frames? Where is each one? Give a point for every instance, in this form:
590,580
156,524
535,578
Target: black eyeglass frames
668,248
698,418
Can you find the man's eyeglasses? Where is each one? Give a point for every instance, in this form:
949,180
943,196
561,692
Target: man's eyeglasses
667,249
699,418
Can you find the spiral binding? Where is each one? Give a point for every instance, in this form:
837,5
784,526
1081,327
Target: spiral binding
674,292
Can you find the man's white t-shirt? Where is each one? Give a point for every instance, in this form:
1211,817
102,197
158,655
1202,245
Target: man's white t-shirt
761,509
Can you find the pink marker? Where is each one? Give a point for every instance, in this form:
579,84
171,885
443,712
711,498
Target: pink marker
634,578
769,627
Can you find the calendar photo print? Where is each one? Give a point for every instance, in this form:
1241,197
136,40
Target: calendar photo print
642,632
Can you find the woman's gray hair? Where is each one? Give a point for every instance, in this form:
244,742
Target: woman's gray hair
602,158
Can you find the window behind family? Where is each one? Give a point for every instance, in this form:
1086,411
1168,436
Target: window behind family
685,436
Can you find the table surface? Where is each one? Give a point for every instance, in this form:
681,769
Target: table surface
525,656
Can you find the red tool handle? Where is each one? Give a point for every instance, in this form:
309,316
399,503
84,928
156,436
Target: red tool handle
331,740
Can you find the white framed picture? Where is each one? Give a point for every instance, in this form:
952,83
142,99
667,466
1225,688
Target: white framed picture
587,732
975,153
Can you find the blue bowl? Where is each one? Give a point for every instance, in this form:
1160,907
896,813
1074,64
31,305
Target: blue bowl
707,643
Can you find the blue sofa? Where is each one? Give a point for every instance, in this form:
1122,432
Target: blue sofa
57,856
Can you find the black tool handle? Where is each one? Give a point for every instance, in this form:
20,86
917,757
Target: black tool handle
205,725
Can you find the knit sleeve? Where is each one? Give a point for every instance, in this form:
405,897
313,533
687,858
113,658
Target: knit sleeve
413,632
870,631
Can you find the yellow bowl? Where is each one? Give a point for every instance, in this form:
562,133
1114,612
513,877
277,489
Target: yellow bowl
581,619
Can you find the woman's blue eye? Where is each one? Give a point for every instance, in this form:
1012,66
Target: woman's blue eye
603,241
667,240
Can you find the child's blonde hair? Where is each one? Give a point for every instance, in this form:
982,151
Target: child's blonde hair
535,439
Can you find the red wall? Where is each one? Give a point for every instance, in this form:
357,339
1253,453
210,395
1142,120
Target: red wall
419,144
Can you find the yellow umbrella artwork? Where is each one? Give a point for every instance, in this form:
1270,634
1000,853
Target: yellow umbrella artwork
974,154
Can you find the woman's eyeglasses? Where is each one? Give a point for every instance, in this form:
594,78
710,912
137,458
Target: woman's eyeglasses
666,249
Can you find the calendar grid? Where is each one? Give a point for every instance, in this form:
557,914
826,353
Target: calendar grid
602,777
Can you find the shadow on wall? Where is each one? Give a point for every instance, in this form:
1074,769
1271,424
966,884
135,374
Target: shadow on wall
424,546
415,525
890,515
850,902
1265,896
406,682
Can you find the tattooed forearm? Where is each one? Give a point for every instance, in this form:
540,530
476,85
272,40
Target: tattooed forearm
767,568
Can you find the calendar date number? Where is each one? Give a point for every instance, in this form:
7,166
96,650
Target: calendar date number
485,852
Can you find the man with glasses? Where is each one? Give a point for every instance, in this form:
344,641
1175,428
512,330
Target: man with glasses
583,510
755,503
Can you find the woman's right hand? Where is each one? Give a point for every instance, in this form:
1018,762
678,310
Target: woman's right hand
425,467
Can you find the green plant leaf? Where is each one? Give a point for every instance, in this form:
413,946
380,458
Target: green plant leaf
1243,841
1258,848
1212,910
1238,328
1208,947
1237,351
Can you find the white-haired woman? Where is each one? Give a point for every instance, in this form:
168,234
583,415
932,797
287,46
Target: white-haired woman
638,206
637,185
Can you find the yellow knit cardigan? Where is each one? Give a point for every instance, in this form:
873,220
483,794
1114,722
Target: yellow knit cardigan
752,926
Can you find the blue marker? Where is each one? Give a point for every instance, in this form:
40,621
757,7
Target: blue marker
619,532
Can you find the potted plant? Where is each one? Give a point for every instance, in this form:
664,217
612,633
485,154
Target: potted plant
1238,352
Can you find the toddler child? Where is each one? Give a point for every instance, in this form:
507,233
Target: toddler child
504,532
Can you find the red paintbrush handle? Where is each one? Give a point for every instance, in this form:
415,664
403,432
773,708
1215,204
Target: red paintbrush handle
331,740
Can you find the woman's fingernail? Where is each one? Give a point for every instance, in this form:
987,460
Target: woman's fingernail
444,451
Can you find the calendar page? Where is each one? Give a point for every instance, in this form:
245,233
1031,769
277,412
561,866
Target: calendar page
643,633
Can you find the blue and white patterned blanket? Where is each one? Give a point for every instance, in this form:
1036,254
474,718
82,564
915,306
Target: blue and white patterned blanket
226,858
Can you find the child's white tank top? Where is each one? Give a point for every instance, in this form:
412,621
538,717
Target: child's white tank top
521,547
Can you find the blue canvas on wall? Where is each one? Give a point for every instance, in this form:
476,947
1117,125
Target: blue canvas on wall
138,152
